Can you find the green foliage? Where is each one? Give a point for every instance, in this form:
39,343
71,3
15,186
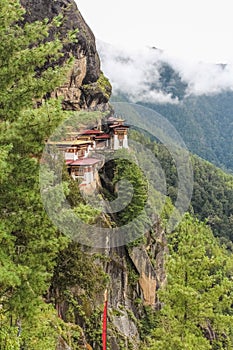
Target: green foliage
77,283
41,330
196,311
104,85
127,170
29,242
101,85
212,196
74,267
87,213
4,166
38,263
205,124
23,55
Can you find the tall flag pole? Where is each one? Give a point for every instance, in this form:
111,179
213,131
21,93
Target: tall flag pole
105,322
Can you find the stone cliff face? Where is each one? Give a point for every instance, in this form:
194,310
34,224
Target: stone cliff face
86,86
136,273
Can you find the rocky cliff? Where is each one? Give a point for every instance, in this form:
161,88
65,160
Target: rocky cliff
135,272
86,86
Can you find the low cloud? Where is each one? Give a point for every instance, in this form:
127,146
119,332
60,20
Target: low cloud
132,72
137,74
205,78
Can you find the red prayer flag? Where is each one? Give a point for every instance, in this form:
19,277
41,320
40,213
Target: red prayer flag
105,314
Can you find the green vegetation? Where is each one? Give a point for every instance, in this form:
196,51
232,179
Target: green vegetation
32,249
101,85
126,169
196,310
51,287
29,243
195,305
104,85
205,124
212,198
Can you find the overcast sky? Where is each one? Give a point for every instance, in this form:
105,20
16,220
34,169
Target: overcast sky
189,29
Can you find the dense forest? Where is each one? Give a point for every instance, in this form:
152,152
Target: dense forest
50,286
205,123
212,198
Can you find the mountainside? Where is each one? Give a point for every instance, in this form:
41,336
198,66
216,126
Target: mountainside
205,124
165,289
212,196
197,100
52,287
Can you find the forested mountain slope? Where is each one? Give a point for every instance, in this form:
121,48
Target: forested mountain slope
212,197
206,125
51,287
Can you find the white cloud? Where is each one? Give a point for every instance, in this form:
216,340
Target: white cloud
133,71
204,78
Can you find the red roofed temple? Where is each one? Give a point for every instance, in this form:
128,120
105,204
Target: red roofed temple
77,148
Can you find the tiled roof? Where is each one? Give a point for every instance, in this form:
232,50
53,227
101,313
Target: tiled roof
84,161
103,136
91,132
113,119
69,161
69,142
123,126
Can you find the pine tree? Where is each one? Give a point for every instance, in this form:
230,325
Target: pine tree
29,241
